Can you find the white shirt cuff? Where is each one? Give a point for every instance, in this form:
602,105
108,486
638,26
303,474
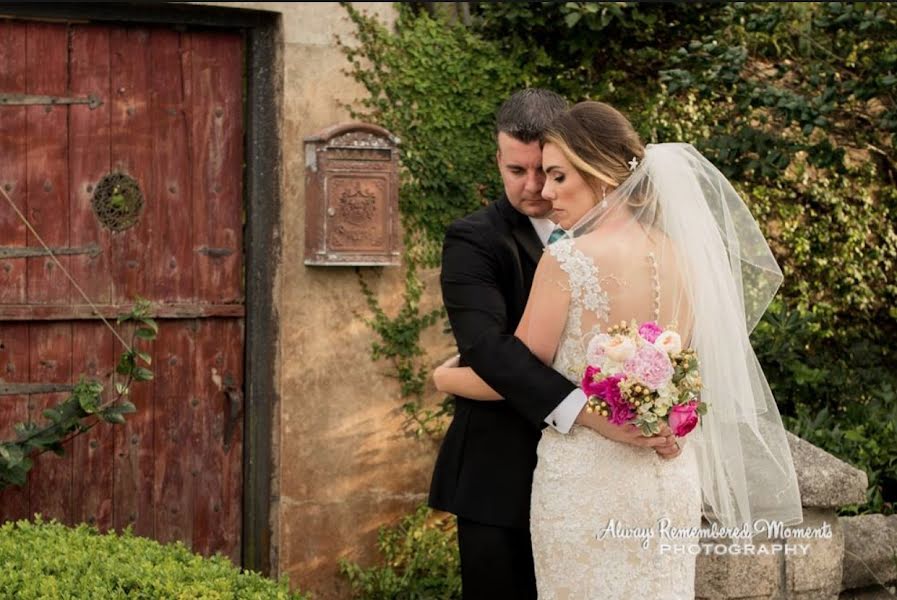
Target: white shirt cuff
562,417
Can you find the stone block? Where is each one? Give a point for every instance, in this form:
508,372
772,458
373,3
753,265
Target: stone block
816,570
824,480
870,547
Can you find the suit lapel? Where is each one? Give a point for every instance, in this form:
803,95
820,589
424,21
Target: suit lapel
521,229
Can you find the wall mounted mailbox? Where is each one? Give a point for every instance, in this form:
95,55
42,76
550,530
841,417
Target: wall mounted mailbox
352,197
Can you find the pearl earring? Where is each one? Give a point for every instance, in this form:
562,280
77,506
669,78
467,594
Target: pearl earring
603,203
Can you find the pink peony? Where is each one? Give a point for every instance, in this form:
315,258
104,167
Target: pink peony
588,381
609,390
649,331
651,366
683,418
621,414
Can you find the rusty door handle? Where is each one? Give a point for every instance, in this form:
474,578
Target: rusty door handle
234,397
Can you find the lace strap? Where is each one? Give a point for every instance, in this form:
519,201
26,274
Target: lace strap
585,287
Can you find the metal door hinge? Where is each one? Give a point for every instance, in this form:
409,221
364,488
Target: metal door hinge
26,389
92,250
91,101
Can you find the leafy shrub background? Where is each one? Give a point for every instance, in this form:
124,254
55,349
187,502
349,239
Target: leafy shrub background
43,560
794,102
421,561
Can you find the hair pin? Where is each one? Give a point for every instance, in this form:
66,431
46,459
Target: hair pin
633,163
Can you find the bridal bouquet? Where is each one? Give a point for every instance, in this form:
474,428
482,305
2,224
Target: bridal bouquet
640,374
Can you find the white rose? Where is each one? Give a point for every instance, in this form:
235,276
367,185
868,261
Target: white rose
669,342
662,405
668,392
596,348
620,349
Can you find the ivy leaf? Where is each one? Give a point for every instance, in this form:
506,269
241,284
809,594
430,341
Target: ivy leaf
151,324
89,403
572,18
12,454
126,407
142,374
52,414
113,417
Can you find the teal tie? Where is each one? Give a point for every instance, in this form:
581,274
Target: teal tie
557,234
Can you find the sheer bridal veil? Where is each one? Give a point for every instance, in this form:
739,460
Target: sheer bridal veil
677,222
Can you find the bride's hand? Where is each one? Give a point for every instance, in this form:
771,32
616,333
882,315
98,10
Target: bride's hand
451,363
625,434
439,373
673,446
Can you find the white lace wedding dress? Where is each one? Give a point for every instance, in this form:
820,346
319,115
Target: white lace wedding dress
586,485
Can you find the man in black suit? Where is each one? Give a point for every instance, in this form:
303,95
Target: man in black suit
484,470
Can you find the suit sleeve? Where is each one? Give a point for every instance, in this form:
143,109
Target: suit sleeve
479,319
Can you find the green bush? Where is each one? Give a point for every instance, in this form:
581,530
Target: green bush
49,561
436,86
837,390
421,561
793,101
864,435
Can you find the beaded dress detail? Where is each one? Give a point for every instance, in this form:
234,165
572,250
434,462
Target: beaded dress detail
604,515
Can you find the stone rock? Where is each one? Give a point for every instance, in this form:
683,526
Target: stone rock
870,550
727,576
824,480
813,570
870,593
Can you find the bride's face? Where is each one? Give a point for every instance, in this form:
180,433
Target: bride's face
570,195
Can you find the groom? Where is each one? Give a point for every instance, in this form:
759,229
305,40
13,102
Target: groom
484,470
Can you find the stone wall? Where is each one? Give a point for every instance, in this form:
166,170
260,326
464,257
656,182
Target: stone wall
344,466
857,559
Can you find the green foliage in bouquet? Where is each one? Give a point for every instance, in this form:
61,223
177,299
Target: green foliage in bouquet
49,560
420,561
83,409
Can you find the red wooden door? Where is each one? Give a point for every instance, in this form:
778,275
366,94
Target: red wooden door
171,118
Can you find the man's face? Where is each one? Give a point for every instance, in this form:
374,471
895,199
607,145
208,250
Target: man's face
520,165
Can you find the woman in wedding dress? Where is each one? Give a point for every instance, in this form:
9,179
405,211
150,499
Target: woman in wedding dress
654,233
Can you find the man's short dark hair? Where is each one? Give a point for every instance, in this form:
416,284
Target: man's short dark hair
526,114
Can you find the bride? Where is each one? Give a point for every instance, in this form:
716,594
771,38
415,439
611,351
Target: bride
653,233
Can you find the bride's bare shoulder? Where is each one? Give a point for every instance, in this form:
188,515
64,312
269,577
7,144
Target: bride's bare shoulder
624,241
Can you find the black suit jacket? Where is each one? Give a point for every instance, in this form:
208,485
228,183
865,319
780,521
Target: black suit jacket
484,470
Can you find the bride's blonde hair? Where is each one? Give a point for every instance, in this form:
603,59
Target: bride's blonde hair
598,140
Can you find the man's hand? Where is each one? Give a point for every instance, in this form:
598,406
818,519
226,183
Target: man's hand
664,443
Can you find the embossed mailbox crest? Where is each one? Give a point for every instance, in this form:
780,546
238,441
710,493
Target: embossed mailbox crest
351,191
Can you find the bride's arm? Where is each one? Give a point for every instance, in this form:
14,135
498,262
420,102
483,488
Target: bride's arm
540,329
462,381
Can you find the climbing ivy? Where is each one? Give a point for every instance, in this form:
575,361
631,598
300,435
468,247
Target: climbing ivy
435,85
83,409
794,102
398,341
